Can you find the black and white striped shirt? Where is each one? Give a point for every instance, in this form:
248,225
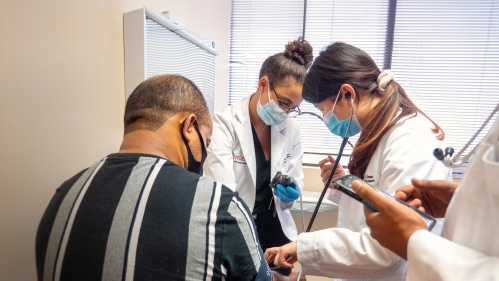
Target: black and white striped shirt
141,217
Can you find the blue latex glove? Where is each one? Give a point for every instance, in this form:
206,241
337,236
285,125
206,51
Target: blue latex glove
288,193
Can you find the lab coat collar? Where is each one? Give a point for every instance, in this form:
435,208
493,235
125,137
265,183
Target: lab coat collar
245,135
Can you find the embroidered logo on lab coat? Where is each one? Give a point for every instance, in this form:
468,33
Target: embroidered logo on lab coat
369,179
239,159
286,158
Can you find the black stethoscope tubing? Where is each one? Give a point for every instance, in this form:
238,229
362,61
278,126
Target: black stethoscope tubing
335,166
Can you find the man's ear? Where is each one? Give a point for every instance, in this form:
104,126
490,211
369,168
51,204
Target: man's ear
187,127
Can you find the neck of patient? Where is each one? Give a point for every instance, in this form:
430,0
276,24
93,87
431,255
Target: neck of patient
149,142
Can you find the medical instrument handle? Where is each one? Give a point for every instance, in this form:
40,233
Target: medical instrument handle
476,135
344,184
279,178
336,163
453,162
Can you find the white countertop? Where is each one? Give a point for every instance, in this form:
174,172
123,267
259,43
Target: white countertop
310,199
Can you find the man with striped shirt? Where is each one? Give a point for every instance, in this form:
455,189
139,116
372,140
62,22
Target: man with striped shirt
145,213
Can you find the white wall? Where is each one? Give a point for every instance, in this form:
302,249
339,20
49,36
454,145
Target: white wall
62,100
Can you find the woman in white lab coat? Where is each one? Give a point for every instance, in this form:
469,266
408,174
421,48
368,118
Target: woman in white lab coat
255,139
395,144
467,249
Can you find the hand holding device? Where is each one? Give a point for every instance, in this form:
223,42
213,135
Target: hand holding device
393,225
285,188
435,195
326,169
344,184
284,256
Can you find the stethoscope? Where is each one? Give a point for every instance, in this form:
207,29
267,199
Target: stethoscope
335,166
299,112
336,162
458,160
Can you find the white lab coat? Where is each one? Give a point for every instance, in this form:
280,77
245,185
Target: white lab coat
232,161
349,251
469,247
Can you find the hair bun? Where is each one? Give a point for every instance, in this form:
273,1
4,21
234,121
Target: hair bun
299,51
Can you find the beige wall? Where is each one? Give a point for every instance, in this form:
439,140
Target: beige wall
62,100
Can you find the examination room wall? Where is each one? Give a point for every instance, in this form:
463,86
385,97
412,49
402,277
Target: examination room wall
62,99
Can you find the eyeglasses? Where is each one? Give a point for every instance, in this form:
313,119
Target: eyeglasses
292,112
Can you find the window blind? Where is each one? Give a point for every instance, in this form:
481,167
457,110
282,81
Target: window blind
444,53
357,22
168,52
259,29
446,56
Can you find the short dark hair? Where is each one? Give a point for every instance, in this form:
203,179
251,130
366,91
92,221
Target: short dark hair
293,62
159,98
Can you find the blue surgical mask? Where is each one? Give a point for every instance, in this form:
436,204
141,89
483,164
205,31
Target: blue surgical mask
338,127
271,114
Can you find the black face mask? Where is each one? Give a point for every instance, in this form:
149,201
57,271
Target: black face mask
192,164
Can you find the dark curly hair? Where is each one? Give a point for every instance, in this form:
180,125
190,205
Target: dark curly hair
293,62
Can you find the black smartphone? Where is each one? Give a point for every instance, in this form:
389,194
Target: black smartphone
344,184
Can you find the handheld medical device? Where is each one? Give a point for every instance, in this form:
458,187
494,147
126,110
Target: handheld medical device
458,160
282,179
344,184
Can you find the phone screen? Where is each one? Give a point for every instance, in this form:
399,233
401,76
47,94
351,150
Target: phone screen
344,184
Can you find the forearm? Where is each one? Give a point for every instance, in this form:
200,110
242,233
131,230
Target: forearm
341,253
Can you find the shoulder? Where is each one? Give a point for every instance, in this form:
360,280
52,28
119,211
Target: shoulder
414,125
290,127
411,130
412,135
232,115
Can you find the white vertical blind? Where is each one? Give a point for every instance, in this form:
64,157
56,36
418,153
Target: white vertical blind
357,22
259,29
168,52
446,56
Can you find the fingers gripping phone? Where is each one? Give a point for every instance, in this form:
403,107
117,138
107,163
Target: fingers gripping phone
344,184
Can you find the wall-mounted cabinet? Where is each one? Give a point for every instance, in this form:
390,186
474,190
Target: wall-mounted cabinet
156,45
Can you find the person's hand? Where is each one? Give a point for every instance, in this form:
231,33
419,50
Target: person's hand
394,224
326,169
284,256
287,194
435,195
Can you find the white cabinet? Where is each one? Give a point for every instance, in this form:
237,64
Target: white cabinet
155,45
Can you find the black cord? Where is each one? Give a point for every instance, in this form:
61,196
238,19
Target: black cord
336,163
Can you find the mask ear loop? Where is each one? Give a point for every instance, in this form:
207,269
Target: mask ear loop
201,140
349,122
336,100
268,91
